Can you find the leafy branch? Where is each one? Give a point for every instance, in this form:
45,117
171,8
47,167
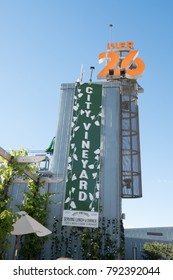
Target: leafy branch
8,172
34,203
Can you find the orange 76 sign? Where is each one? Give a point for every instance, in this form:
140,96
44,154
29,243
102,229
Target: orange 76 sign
133,66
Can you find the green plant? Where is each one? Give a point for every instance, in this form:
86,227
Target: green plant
158,251
34,203
91,244
87,243
122,241
8,172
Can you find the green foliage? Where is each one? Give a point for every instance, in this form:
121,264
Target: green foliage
91,244
34,203
88,243
8,172
99,244
158,251
6,221
122,241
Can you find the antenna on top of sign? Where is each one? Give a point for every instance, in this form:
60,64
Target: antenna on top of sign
81,73
79,80
110,32
110,29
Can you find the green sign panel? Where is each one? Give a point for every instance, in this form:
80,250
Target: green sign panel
82,186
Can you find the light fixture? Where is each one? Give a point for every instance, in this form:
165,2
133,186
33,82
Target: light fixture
91,68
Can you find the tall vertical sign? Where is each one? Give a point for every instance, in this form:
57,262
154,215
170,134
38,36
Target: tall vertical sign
81,205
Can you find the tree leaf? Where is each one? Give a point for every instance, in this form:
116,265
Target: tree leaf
94,175
69,167
75,108
72,145
69,159
76,128
97,123
80,95
73,189
97,151
75,157
91,196
97,157
67,200
74,177
97,194
73,205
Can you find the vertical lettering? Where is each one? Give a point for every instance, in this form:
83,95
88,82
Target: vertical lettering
82,196
84,153
88,104
83,175
87,126
88,97
89,90
86,135
83,185
87,113
85,144
84,162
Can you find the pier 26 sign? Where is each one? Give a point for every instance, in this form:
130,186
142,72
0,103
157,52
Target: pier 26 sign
81,204
121,58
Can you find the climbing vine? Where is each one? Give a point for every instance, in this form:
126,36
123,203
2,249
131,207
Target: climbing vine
88,243
8,172
122,241
34,203
100,243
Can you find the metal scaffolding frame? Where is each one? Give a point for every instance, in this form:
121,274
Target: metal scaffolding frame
130,140
42,177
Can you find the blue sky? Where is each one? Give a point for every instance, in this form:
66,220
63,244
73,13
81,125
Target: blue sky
43,44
